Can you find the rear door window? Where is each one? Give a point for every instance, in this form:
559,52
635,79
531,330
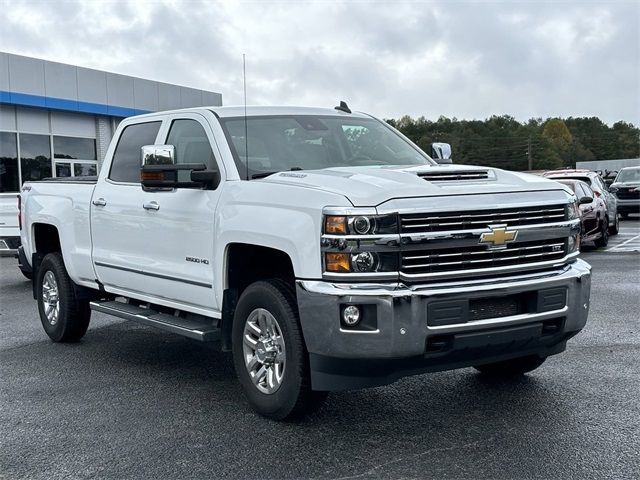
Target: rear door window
126,163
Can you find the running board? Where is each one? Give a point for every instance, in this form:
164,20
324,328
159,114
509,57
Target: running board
204,330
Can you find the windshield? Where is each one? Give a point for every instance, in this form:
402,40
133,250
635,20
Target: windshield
630,175
308,142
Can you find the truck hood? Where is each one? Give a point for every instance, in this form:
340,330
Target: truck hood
372,186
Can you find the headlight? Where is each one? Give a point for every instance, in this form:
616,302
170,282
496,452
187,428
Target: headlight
613,189
360,224
360,242
572,211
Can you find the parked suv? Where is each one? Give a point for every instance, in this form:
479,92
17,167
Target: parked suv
598,186
626,188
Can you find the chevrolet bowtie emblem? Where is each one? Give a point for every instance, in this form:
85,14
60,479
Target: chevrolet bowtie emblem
498,236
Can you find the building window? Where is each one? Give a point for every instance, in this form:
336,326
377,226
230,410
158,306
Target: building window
9,175
85,169
63,169
81,152
74,148
35,156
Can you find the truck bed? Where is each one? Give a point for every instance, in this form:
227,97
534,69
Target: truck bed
64,203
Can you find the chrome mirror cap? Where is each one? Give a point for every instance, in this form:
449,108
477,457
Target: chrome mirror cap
158,155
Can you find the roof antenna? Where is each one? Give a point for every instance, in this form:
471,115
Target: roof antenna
343,107
246,130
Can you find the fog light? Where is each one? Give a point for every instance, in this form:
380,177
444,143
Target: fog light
363,262
351,316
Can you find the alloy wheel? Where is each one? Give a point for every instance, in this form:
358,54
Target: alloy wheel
50,297
264,351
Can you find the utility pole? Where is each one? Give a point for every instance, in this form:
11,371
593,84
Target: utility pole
529,157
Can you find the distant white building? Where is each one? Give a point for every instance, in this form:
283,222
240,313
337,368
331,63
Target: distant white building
609,165
64,116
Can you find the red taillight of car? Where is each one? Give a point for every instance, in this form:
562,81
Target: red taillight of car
598,194
19,212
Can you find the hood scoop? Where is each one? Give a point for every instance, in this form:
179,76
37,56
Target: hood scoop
454,175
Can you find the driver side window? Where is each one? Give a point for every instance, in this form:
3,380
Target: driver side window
191,143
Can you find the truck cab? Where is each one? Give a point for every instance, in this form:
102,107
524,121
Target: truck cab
321,247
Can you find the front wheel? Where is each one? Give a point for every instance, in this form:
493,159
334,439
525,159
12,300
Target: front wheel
64,317
517,366
269,354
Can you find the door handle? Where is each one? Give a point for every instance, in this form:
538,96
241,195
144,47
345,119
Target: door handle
99,202
151,206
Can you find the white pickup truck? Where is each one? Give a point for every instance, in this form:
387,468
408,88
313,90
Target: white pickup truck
320,246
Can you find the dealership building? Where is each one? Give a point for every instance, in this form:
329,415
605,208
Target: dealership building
56,120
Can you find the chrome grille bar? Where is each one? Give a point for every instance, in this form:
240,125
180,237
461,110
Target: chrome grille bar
470,220
455,260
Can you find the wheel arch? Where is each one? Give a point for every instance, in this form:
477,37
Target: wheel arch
244,264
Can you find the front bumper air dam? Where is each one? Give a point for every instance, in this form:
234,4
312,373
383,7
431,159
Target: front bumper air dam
404,341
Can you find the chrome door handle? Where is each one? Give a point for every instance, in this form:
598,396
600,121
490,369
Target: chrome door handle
151,206
99,202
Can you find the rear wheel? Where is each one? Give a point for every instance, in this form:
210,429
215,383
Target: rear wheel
64,317
603,241
517,366
615,228
269,355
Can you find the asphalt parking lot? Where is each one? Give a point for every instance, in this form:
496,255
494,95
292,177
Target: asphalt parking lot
132,402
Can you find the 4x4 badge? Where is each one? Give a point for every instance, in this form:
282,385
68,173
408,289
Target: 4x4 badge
498,237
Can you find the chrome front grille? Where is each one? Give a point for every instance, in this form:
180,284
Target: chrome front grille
473,220
453,175
442,260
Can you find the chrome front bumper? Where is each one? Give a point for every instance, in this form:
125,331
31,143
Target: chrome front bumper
402,329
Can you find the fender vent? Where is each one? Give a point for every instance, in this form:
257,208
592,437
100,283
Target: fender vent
455,175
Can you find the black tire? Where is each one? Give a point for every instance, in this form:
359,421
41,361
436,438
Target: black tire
294,396
510,368
26,274
615,228
73,316
603,241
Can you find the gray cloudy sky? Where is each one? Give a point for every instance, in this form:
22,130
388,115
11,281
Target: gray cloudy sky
455,58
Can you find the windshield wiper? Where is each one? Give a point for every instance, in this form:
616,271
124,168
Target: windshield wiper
266,174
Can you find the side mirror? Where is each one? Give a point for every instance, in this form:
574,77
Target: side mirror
159,170
441,152
158,155
584,200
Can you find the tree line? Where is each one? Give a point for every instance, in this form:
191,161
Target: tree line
503,142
